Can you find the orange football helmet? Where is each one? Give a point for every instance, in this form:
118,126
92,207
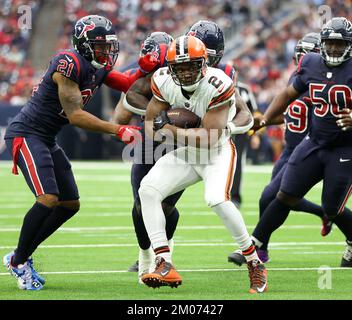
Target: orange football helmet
186,58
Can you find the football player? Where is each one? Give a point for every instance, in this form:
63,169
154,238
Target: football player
135,102
213,38
209,93
72,78
325,154
297,118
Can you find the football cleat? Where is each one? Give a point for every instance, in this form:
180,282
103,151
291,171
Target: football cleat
346,261
34,272
164,275
326,227
23,274
263,255
134,267
257,276
237,258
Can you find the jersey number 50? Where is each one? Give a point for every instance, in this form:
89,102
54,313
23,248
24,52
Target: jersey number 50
322,106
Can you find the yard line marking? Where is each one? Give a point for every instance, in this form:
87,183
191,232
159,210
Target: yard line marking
318,252
179,244
185,270
118,205
99,166
118,228
117,198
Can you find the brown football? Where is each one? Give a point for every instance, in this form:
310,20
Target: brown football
183,118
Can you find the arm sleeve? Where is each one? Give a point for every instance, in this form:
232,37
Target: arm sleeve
68,65
300,81
122,81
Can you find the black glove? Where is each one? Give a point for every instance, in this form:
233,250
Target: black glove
160,120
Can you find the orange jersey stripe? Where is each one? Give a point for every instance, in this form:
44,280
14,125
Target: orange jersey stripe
231,171
223,97
156,90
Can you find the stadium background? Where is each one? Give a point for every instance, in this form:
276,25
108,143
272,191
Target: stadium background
260,37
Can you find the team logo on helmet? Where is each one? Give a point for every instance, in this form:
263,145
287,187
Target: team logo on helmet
83,27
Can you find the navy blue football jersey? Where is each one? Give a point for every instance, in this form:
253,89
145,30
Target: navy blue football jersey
298,117
229,70
329,92
42,115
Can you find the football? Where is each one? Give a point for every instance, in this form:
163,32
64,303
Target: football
183,118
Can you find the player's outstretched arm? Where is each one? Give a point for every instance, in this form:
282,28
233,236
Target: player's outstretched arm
136,99
279,104
122,82
121,115
72,104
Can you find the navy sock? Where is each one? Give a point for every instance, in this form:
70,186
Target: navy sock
309,207
171,223
273,217
54,221
139,228
32,223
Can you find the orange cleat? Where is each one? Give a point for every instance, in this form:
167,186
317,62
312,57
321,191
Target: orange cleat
164,275
257,276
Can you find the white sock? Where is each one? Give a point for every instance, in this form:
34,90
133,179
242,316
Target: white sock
145,260
171,245
257,242
233,221
166,256
153,216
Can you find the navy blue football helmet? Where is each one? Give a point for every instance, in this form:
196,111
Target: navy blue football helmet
336,29
94,38
157,44
213,38
309,43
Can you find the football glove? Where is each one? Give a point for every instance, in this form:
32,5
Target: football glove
160,120
148,63
129,134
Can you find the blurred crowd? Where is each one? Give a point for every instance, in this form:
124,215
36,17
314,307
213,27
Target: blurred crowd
16,73
264,63
135,19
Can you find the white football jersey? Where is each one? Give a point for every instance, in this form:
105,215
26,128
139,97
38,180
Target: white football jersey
213,90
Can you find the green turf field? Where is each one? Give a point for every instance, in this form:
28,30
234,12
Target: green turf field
88,257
